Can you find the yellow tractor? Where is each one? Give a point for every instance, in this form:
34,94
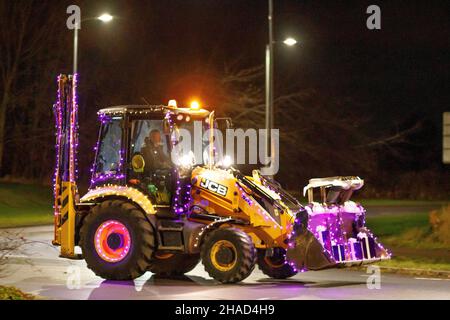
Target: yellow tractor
146,211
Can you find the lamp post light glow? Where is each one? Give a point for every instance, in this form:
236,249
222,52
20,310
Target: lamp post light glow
290,42
106,17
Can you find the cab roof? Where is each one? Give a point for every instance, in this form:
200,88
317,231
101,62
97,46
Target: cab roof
143,109
131,109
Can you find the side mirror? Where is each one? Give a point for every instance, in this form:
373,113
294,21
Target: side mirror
138,163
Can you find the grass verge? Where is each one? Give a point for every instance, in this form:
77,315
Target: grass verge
25,205
421,263
399,203
12,293
408,230
417,247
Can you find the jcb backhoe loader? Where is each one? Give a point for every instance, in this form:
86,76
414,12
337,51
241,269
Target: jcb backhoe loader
145,211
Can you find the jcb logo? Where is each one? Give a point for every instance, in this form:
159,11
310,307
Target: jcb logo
214,187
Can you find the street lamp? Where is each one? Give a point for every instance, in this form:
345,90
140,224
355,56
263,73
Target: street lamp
269,80
105,18
290,42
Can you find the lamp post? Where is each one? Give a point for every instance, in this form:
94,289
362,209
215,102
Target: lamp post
269,80
105,18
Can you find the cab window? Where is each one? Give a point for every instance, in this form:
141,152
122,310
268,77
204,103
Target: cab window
108,162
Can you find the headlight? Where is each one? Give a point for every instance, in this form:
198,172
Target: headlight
226,162
187,160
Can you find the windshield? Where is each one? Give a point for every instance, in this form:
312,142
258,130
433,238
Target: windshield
144,133
188,139
108,162
149,141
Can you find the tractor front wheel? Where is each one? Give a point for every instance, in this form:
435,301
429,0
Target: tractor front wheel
275,266
173,264
117,240
228,255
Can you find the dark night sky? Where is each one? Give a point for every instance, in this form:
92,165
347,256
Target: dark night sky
173,38
401,69
168,49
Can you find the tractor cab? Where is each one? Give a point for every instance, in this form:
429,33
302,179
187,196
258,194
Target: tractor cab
147,148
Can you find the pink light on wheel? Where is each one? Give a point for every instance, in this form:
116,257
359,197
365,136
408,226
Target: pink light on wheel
112,241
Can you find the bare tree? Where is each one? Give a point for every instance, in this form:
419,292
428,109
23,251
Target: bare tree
29,53
320,134
18,51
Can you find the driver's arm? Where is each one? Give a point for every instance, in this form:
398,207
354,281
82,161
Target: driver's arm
146,154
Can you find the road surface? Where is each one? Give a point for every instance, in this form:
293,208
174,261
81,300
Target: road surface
37,269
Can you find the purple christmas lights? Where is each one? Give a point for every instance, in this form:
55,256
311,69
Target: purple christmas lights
97,178
58,126
73,131
66,133
328,223
182,197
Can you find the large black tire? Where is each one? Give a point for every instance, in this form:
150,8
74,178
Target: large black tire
176,264
275,266
228,255
141,246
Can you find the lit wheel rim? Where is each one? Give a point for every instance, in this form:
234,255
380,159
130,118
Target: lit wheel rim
223,255
112,241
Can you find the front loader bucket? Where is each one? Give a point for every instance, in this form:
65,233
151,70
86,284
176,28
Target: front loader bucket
306,252
333,236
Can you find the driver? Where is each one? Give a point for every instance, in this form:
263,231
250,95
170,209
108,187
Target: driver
153,152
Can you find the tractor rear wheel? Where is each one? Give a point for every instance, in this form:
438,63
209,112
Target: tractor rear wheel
228,255
275,266
173,264
117,240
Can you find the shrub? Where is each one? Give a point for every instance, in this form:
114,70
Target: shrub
440,224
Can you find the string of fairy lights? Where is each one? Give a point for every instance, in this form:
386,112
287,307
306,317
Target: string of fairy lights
58,129
66,138
73,173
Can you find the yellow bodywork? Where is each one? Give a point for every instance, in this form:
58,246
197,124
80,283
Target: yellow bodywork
65,220
130,193
224,267
223,197
218,193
